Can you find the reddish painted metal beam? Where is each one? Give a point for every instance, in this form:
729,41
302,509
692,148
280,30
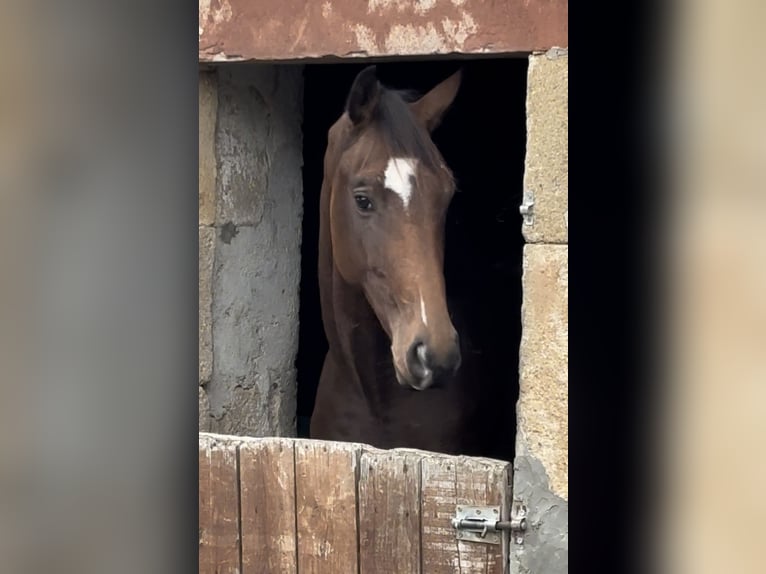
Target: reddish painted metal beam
237,30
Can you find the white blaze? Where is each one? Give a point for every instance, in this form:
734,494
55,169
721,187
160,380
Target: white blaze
398,177
423,311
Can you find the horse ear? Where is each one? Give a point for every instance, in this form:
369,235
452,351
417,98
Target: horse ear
364,96
430,109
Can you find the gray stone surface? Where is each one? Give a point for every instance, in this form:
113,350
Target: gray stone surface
259,208
206,250
258,129
546,540
208,112
204,410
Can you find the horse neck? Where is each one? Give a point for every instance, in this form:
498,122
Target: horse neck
355,338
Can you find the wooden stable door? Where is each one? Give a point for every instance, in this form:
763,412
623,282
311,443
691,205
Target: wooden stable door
272,505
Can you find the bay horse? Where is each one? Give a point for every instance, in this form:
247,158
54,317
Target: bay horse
396,373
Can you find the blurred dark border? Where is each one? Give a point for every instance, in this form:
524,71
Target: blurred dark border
147,52
617,206
99,452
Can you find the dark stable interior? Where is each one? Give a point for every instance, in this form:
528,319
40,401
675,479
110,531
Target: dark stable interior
482,139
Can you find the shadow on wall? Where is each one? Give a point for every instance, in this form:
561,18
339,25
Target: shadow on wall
483,140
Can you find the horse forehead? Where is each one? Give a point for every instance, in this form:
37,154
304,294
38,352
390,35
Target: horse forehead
399,175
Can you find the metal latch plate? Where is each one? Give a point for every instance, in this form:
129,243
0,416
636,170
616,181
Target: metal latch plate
526,209
477,524
518,521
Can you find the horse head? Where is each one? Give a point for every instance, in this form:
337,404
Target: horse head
390,190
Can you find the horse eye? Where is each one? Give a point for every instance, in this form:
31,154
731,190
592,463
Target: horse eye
363,202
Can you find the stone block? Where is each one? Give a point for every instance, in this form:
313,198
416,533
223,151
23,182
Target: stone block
259,109
543,363
206,260
208,112
255,327
256,275
205,421
546,174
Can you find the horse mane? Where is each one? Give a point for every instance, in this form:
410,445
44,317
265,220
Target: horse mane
403,135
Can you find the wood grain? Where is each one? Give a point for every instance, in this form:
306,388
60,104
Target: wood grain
445,483
481,482
319,507
219,549
267,487
438,494
389,512
325,478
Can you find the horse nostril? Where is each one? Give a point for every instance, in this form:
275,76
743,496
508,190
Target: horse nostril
422,354
417,360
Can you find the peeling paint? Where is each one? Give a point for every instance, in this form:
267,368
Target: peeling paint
223,57
268,29
365,38
408,38
381,5
218,14
423,6
427,39
417,6
460,30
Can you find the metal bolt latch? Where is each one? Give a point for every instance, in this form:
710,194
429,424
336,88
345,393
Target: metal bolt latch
527,207
518,521
478,524
483,524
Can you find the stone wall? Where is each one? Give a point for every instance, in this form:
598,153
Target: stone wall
249,232
250,211
542,437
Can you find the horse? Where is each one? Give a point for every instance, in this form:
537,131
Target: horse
397,372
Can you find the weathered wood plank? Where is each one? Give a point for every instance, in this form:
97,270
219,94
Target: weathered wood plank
320,507
481,483
389,512
219,549
445,483
267,490
438,494
325,480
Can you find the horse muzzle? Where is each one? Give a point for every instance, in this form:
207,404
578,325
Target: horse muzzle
426,369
